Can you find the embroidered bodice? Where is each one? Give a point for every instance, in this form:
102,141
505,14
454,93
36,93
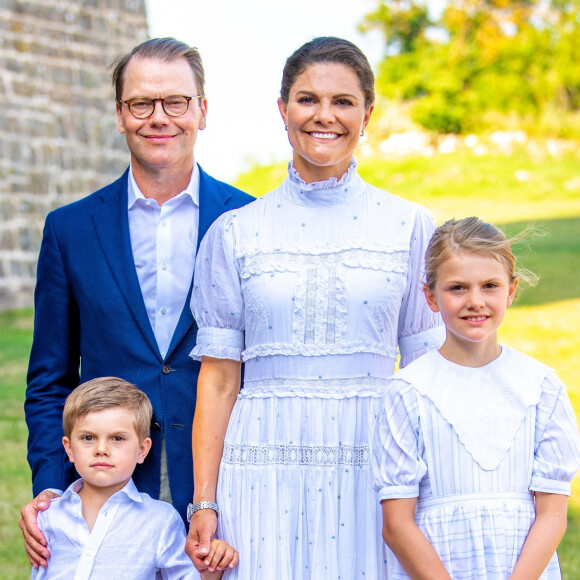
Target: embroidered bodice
321,272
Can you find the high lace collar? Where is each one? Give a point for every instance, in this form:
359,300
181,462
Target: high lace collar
329,192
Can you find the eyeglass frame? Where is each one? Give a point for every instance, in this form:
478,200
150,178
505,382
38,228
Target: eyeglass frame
153,101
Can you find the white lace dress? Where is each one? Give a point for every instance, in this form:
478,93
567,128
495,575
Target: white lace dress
472,444
314,287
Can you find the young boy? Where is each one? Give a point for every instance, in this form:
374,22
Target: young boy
102,526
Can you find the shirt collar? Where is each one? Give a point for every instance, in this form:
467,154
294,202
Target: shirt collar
192,189
129,491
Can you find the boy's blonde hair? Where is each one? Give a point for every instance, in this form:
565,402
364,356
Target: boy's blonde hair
105,393
473,235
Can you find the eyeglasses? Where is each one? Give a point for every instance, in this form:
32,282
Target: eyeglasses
174,106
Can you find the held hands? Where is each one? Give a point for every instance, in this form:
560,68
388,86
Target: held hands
208,555
220,557
34,540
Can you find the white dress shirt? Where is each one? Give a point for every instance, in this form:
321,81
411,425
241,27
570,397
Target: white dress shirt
164,242
133,538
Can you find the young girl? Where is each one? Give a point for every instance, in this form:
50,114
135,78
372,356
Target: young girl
476,444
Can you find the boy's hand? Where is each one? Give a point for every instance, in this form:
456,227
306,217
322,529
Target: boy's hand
221,555
34,540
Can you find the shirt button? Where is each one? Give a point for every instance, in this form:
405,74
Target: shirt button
163,310
164,224
163,266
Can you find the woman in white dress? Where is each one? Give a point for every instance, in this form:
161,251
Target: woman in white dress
476,443
315,286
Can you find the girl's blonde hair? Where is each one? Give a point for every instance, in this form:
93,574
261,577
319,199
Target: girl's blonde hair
476,236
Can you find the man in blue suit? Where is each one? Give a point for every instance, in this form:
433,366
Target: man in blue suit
114,281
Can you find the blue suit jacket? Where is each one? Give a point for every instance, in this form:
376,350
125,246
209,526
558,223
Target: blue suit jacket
91,321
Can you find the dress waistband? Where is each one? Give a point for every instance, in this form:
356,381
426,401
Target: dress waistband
524,497
325,388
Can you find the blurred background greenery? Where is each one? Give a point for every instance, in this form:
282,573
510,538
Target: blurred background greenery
476,65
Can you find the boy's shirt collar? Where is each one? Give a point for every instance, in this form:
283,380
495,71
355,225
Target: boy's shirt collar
129,491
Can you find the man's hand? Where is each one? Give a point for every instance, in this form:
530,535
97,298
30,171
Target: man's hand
34,540
202,528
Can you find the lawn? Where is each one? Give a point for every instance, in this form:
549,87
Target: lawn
15,340
542,323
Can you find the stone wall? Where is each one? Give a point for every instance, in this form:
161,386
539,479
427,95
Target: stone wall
58,130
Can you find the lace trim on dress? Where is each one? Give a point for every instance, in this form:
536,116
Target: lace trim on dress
351,347
268,260
216,351
329,183
320,305
315,455
256,311
335,388
386,313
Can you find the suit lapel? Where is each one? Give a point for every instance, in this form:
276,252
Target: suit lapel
213,201
211,206
111,223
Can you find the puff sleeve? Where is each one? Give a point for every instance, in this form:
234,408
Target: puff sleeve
420,329
397,463
216,301
557,443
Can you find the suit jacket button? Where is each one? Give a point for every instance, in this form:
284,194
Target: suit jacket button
166,369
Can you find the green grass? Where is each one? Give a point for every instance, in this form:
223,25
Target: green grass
544,321
554,255
15,486
568,549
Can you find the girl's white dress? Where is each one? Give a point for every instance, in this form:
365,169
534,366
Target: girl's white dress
313,286
472,444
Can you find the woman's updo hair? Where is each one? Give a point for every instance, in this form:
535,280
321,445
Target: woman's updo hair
472,235
329,49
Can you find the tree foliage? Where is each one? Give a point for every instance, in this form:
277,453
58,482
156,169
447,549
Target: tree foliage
480,58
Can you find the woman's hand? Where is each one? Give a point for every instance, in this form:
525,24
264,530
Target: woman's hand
217,389
202,528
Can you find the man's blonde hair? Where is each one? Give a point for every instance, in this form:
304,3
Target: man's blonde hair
106,393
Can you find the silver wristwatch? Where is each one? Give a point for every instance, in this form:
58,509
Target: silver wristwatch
202,505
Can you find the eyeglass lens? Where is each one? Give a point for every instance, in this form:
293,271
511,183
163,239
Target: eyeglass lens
174,106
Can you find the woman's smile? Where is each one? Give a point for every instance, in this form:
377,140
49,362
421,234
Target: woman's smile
325,116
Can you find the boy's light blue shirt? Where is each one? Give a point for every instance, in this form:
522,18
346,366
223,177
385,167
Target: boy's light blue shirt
134,538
